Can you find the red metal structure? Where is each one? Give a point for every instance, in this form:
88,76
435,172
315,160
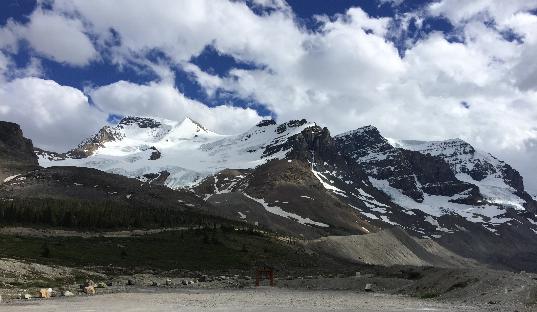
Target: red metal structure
264,272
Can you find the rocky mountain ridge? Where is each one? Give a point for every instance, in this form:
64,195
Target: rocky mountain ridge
296,178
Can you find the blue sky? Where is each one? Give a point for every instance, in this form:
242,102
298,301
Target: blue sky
427,70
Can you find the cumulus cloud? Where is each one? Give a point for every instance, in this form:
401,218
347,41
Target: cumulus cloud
58,37
165,101
344,75
459,11
183,28
56,117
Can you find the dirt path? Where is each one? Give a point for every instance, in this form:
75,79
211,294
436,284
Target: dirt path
25,231
262,299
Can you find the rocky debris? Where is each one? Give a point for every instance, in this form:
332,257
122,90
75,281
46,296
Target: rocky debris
388,247
101,285
27,296
169,282
155,284
531,296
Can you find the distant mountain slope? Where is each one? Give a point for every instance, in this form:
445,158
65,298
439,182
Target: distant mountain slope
440,178
296,178
285,196
84,197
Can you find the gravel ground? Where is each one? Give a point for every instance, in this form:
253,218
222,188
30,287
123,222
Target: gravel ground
260,299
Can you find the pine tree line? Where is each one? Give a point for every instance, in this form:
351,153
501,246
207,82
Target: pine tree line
100,214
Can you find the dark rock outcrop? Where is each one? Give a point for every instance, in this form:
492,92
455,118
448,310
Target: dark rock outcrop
88,147
16,151
414,173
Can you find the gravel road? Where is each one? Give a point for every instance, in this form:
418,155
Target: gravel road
261,299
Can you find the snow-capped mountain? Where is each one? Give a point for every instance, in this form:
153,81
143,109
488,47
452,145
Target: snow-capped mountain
436,178
178,153
296,178
498,182
439,178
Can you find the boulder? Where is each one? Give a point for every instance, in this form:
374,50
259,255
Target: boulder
101,285
67,294
27,296
131,282
44,293
89,290
203,278
169,282
155,284
368,287
184,282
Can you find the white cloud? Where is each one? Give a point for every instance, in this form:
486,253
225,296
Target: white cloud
345,75
165,101
56,117
462,10
183,28
58,37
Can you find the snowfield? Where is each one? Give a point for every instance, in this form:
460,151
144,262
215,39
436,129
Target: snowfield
188,151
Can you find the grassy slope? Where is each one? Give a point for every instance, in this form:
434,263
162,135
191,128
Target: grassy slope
203,250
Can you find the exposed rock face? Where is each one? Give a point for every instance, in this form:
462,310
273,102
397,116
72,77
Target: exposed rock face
16,151
140,121
267,122
412,172
283,196
155,154
87,148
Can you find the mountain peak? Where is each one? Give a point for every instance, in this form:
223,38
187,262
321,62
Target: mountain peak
266,122
141,122
370,130
189,122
